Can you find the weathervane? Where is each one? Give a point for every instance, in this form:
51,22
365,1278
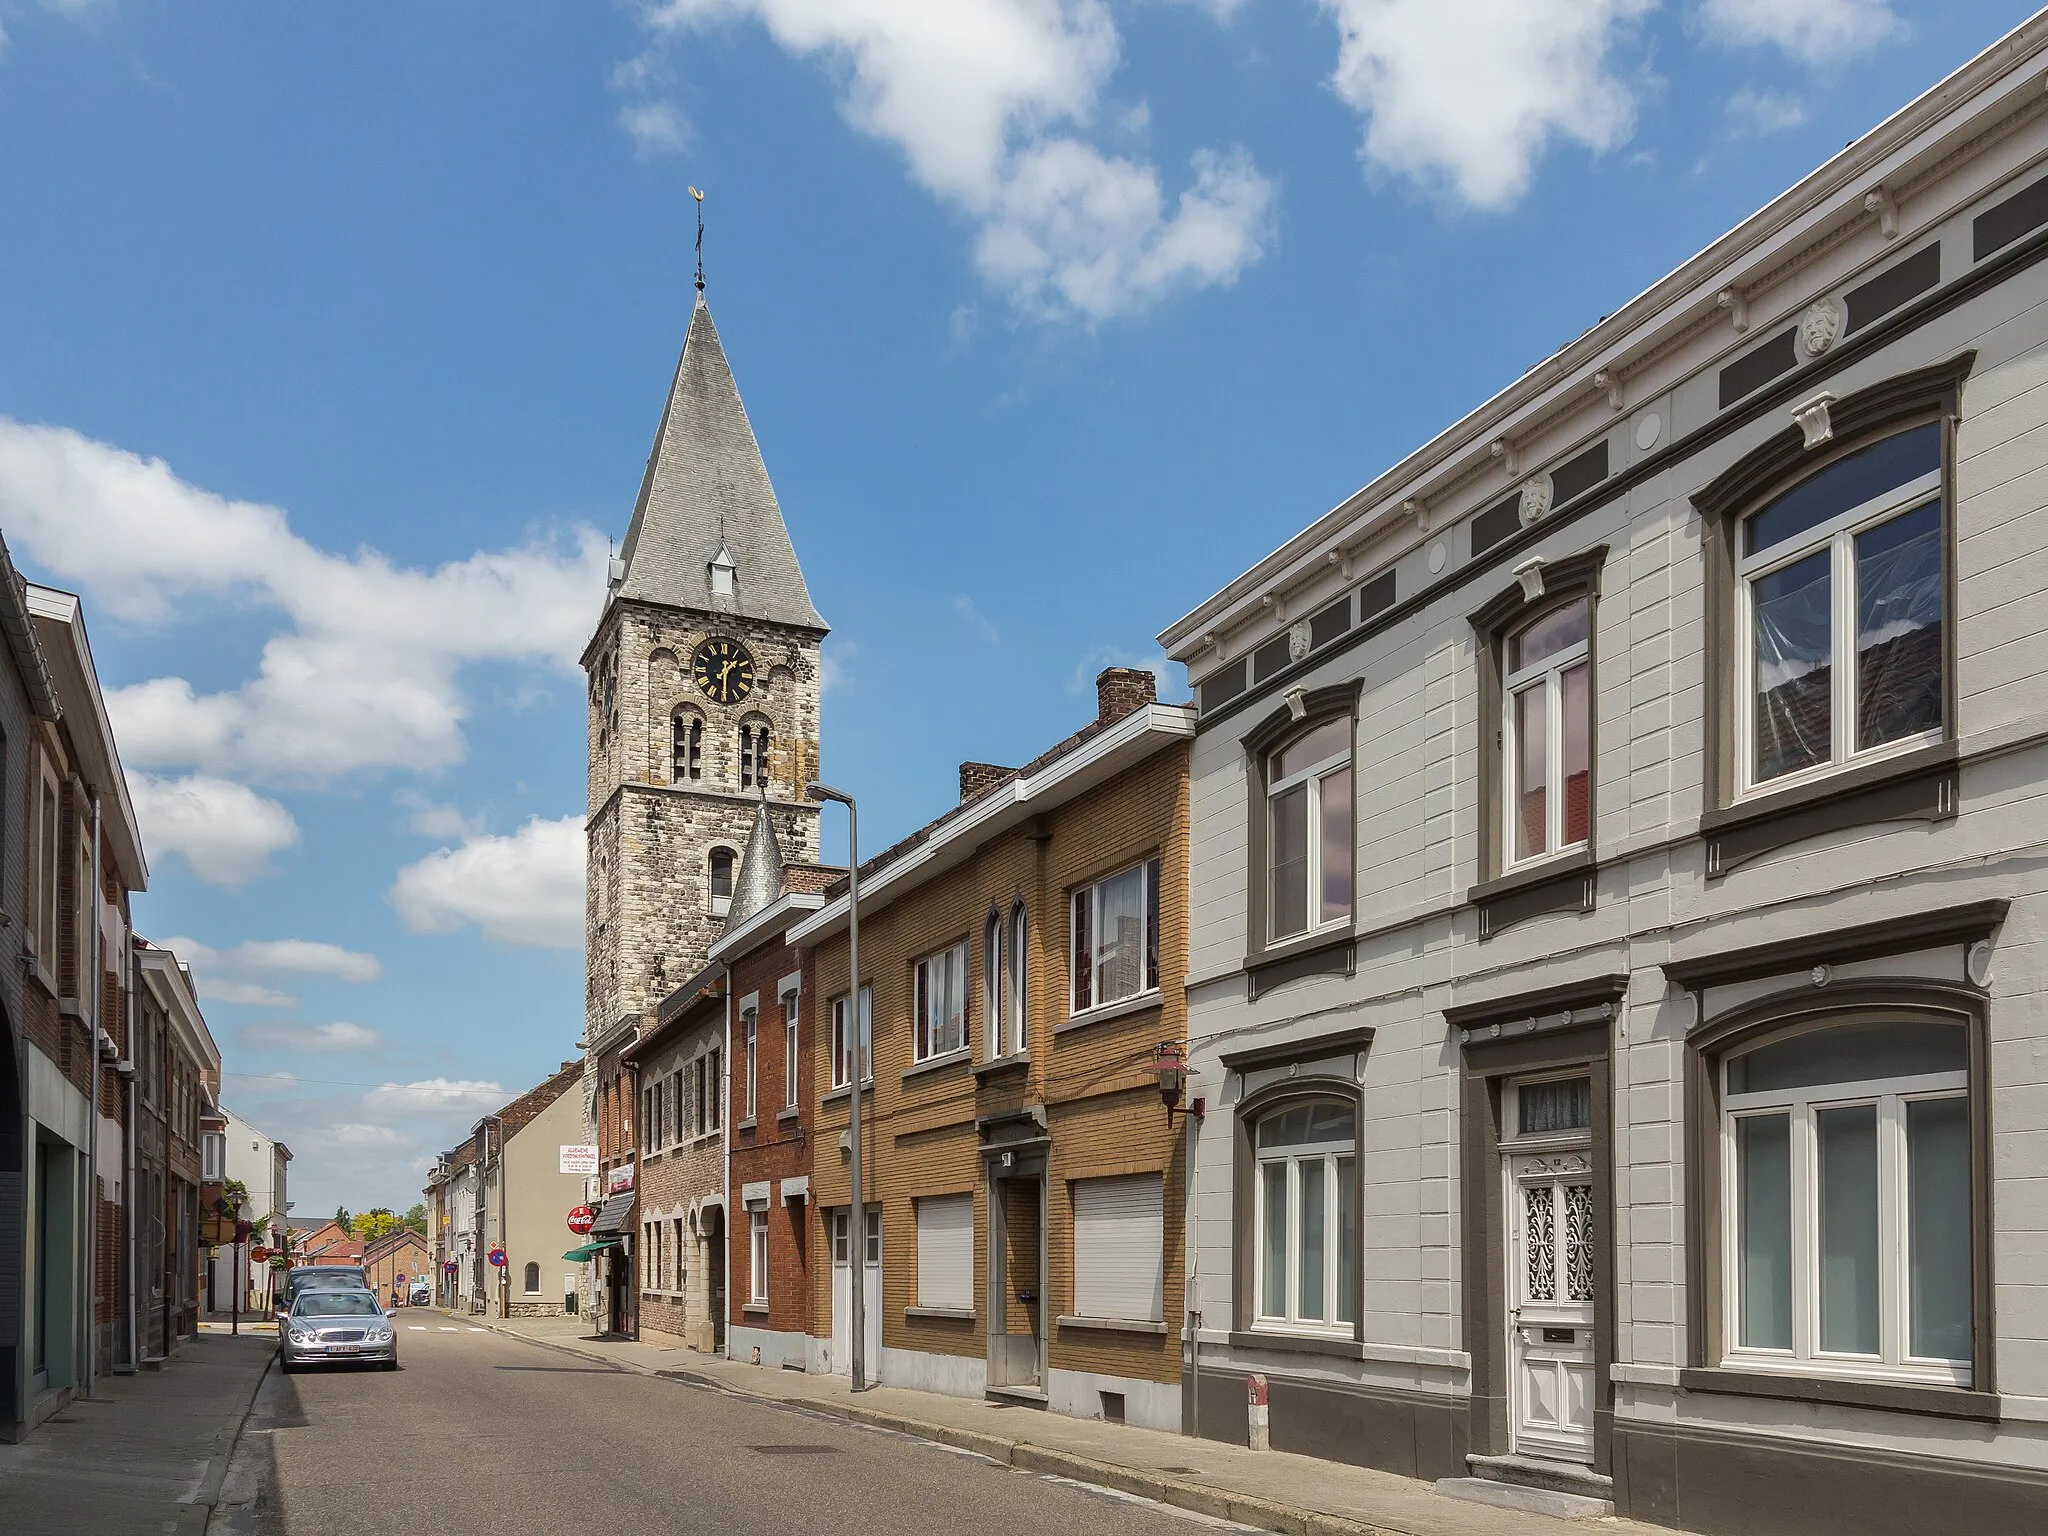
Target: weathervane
700,237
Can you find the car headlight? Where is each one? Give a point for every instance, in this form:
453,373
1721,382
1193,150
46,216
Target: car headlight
298,1337
382,1336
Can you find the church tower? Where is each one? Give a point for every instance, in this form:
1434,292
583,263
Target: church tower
704,694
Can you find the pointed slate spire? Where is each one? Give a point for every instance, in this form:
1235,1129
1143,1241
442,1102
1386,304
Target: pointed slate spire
759,885
706,494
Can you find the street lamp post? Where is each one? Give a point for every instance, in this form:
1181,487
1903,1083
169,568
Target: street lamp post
857,1237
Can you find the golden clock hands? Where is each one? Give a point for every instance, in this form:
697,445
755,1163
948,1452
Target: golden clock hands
725,673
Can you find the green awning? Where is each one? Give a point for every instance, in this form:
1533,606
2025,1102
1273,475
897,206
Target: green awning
590,1250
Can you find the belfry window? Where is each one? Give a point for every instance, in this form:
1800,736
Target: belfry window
753,757
689,746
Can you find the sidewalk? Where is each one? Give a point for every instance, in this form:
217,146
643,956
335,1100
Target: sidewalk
1271,1490
146,1452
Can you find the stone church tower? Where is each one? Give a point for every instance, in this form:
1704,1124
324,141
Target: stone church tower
703,700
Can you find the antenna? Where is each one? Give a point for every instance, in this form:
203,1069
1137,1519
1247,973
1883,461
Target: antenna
699,196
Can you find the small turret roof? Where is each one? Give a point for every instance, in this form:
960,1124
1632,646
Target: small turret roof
706,490
759,885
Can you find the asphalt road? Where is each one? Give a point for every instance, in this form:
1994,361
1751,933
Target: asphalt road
482,1435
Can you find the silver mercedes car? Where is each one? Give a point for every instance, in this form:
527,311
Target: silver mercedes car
334,1327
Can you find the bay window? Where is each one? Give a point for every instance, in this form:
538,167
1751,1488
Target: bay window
1846,1155
1309,840
1546,733
939,986
1839,614
1305,1216
1116,937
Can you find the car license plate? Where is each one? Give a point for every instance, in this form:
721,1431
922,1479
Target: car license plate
344,1349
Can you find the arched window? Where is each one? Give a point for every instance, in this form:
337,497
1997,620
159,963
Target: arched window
719,880
1547,731
1306,1214
1013,982
1309,841
532,1278
754,756
1839,612
1846,1151
992,978
689,745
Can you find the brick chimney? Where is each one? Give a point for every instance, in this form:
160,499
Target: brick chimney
977,779
1119,690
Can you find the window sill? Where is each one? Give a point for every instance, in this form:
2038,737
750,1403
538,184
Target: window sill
940,1314
744,1125
787,1116
1002,1064
1115,1325
1123,1008
1561,884
41,976
1912,786
1299,1343
1325,952
951,1058
755,1308
1885,1396
845,1091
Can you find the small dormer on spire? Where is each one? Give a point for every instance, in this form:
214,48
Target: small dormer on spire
724,571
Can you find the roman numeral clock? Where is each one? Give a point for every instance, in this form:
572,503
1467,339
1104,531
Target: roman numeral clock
723,669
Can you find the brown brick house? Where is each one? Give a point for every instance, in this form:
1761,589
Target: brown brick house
1024,955
681,1218
771,1091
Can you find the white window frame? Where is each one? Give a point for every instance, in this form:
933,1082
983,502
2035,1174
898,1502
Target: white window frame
994,977
750,1030
1017,982
941,967
1547,674
757,1258
1312,776
940,1289
1838,536
1148,939
1288,1316
791,1054
1802,1106
842,1054
720,905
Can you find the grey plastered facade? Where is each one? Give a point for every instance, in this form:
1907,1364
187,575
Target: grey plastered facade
1697,915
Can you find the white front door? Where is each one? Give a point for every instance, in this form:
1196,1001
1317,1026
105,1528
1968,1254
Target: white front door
1550,1304
842,1298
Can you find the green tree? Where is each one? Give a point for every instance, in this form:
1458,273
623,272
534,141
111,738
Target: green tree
343,1220
372,1225
416,1218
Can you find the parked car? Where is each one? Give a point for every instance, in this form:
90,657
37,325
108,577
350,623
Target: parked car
422,1293
331,1326
317,1277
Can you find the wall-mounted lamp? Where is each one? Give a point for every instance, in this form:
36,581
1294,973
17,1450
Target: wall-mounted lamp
1170,1066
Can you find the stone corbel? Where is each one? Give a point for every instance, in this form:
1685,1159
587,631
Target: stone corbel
1812,416
1530,574
1503,451
1878,200
1608,380
1737,304
1418,509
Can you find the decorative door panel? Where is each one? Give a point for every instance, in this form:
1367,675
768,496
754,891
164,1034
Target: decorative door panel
1551,1235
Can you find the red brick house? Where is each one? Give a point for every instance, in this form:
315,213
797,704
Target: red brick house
769,1089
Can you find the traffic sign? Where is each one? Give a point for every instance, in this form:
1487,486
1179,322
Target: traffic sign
581,1219
497,1257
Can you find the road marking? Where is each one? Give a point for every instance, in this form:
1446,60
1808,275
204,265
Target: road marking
416,1327
446,1329
476,1330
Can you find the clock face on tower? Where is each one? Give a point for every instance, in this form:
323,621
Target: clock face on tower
724,669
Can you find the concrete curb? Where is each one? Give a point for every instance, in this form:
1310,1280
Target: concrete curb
217,1467
1023,1455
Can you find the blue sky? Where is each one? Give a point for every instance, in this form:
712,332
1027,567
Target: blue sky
332,340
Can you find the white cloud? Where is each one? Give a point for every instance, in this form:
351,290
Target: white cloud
1467,95
358,1134
525,888
314,1037
436,1093
990,101
367,676
1813,31
226,831
978,623
1756,112
432,818
213,990
655,127
307,956
261,1085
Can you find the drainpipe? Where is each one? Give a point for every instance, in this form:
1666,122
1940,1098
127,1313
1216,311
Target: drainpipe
92,1121
504,1228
